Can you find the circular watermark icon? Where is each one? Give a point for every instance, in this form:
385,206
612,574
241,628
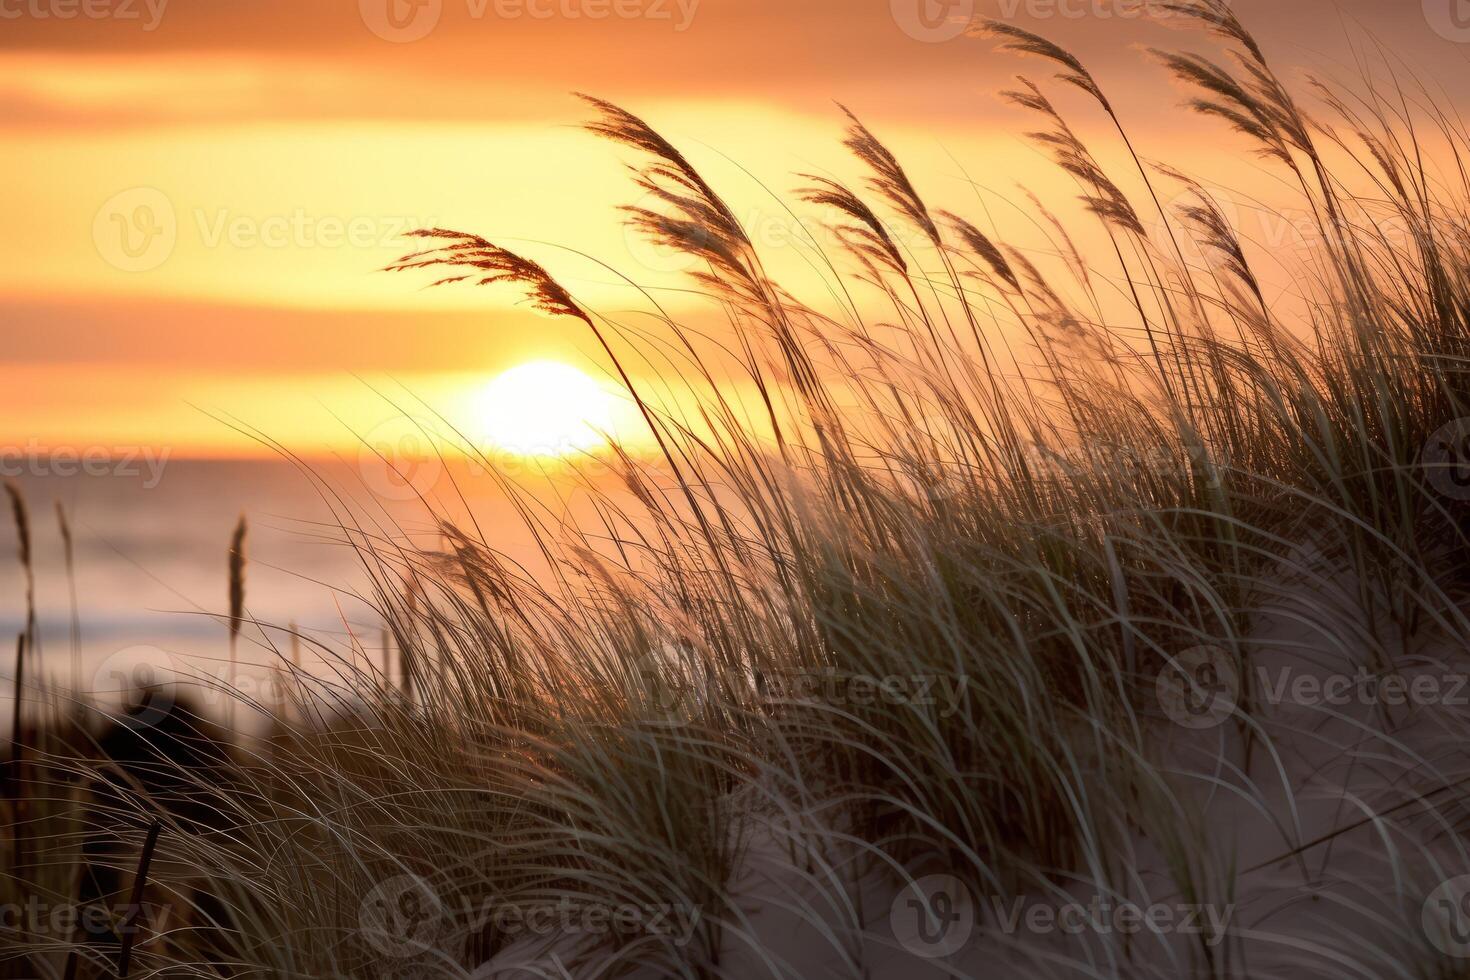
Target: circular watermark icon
1446,459
136,230
1450,19
645,247
664,694
401,21
402,916
1446,917
933,21
1199,688
142,680
1192,212
933,917
399,460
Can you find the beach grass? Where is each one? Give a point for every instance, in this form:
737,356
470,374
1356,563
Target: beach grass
909,619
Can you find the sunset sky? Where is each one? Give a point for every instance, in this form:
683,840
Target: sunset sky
199,192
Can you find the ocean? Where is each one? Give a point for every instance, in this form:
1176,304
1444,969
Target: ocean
151,547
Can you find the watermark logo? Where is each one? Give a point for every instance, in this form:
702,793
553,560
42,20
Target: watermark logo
1446,460
399,459
402,916
142,680
136,230
401,21
148,685
1450,19
933,917
650,251
1192,210
1199,688
1446,917
661,693
933,21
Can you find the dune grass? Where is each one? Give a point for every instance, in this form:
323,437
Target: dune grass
909,620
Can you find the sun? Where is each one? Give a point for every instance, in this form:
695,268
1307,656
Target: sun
546,408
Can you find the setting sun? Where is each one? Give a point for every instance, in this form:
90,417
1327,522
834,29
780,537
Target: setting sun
546,408
678,489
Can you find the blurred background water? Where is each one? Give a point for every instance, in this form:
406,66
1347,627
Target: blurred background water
151,558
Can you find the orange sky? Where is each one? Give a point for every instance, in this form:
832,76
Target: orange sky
199,191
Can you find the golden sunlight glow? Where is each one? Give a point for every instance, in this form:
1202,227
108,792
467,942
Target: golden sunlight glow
546,408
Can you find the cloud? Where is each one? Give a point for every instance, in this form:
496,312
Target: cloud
215,337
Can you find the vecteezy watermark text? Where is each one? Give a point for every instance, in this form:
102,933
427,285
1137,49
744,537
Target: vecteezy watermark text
667,691
1014,10
35,917
934,917
405,21
1201,688
403,916
130,462
1365,687
148,12
679,12
1105,917
138,229
944,20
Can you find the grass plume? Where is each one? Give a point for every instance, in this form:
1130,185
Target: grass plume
1059,470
